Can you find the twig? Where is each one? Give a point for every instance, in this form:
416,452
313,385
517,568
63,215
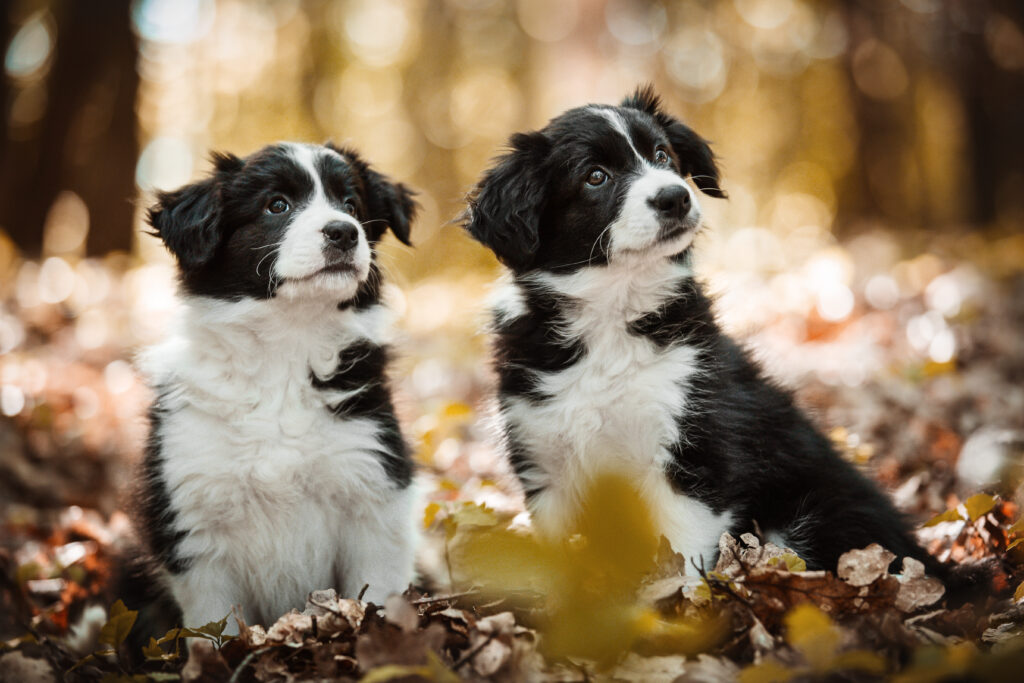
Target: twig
472,653
444,598
362,591
246,662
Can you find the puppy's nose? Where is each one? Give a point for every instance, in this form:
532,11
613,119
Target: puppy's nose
671,202
341,234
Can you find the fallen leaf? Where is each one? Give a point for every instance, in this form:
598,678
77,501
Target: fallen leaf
863,567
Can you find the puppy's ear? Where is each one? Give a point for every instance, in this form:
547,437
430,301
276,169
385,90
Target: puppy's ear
386,200
694,153
505,207
188,219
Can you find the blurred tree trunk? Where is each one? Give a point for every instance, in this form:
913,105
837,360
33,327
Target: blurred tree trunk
951,46
85,141
993,99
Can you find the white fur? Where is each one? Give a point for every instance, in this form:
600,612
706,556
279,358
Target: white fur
301,255
615,409
277,496
637,227
619,124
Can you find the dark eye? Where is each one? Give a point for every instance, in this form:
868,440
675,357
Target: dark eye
660,156
278,205
597,177
349,207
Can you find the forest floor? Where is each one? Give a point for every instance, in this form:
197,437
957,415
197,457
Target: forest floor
915,370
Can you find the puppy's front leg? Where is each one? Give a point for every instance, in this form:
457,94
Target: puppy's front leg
380,551
206,593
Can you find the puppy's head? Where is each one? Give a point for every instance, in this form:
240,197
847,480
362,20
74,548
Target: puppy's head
597,185
293,220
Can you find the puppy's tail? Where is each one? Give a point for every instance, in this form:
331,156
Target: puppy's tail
969,582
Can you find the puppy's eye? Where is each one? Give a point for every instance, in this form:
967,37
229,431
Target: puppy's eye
597,177
661,156
277,205
349,207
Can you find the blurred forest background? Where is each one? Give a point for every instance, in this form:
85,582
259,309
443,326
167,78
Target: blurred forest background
871,248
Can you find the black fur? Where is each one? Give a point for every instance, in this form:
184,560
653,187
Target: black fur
222,236
744,446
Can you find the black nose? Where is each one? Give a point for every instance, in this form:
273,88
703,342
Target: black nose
341,234
671,202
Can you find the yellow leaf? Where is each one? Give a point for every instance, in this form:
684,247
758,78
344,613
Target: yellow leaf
953,515
469,516
978,505
812,633
118,625
590,576
859,660
790,561
1013,544
433,670
430,514
768,671
456,410
1018,594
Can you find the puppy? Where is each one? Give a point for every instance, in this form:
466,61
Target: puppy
275,465
609,356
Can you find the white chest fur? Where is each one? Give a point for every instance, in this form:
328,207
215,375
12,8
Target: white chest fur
616,409
275,495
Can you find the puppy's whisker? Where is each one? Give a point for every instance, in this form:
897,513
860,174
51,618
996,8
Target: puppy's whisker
265,257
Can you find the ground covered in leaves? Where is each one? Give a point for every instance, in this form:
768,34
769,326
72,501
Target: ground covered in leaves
916,369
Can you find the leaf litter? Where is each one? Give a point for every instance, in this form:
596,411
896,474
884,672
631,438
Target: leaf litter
611,602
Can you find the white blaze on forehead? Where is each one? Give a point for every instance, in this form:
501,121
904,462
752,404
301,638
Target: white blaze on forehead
619,124
301,253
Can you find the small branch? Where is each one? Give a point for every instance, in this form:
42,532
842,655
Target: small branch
472,653
362,592
445,598
244,663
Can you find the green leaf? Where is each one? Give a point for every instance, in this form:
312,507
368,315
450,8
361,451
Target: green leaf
979,505
213,631
118,625
153,652
953,515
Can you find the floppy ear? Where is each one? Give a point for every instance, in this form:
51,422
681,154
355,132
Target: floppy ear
387,200
505,207
694,153
188,219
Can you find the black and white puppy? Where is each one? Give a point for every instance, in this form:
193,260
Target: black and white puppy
609,356
275,465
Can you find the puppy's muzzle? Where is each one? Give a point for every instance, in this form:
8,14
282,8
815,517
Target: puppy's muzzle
341,235
671,203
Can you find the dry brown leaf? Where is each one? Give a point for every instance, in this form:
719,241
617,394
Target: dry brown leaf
290,628
204,665
864,567
491,657
916,589
334,615
399,612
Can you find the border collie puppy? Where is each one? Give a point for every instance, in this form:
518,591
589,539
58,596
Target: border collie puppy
275,465
609,356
